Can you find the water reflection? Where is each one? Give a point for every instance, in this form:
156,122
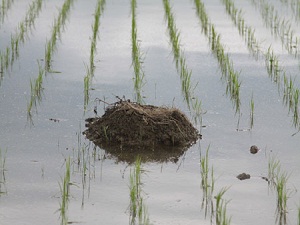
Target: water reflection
159,154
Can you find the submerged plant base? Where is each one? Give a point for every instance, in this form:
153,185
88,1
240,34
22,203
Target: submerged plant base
127,127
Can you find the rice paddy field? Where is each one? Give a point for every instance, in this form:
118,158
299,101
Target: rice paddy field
231,66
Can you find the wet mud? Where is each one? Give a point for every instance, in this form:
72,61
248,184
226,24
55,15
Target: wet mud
128,129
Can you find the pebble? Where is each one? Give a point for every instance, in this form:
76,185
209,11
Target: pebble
254,149
243,176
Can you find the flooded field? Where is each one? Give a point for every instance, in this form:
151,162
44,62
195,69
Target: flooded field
230,66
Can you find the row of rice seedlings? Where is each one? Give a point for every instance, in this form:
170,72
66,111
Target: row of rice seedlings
178,54
137,56
247,32
221,208
36,92
64,187
277,74
11,53
138,210
208,188
2,172
193,103
90,69
280,27
226,65
58,24
290,93
36,84
278,181
207,184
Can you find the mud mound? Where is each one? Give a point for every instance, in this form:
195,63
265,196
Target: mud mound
129,124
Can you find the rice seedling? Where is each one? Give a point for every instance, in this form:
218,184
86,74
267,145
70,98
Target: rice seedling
83,160
241,23
36,91
48,54
135,183
7,57
1,72
282,197
3,189
197,109
288,87
251,112
2,164
207,183
299,215
174,35
137,56
95,27
186,84
1,63
295,110
277,180
273,168
58,24
86,83
85,169
291,99
221,208
64,187
4,8
63,15
138,210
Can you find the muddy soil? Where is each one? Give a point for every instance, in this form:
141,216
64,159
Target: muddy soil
134,127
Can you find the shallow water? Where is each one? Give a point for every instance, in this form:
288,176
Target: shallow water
36,153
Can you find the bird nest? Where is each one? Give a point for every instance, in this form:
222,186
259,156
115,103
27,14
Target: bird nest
135,126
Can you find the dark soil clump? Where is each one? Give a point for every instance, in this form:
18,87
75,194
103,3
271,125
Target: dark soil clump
243,176
130,124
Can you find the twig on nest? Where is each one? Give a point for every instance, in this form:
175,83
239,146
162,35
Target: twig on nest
100,100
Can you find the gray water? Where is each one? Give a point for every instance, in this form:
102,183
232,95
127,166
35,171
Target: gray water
36,153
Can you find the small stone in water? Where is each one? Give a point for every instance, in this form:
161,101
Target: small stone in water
243,176
254,149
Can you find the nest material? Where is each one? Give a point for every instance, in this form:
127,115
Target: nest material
130,124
